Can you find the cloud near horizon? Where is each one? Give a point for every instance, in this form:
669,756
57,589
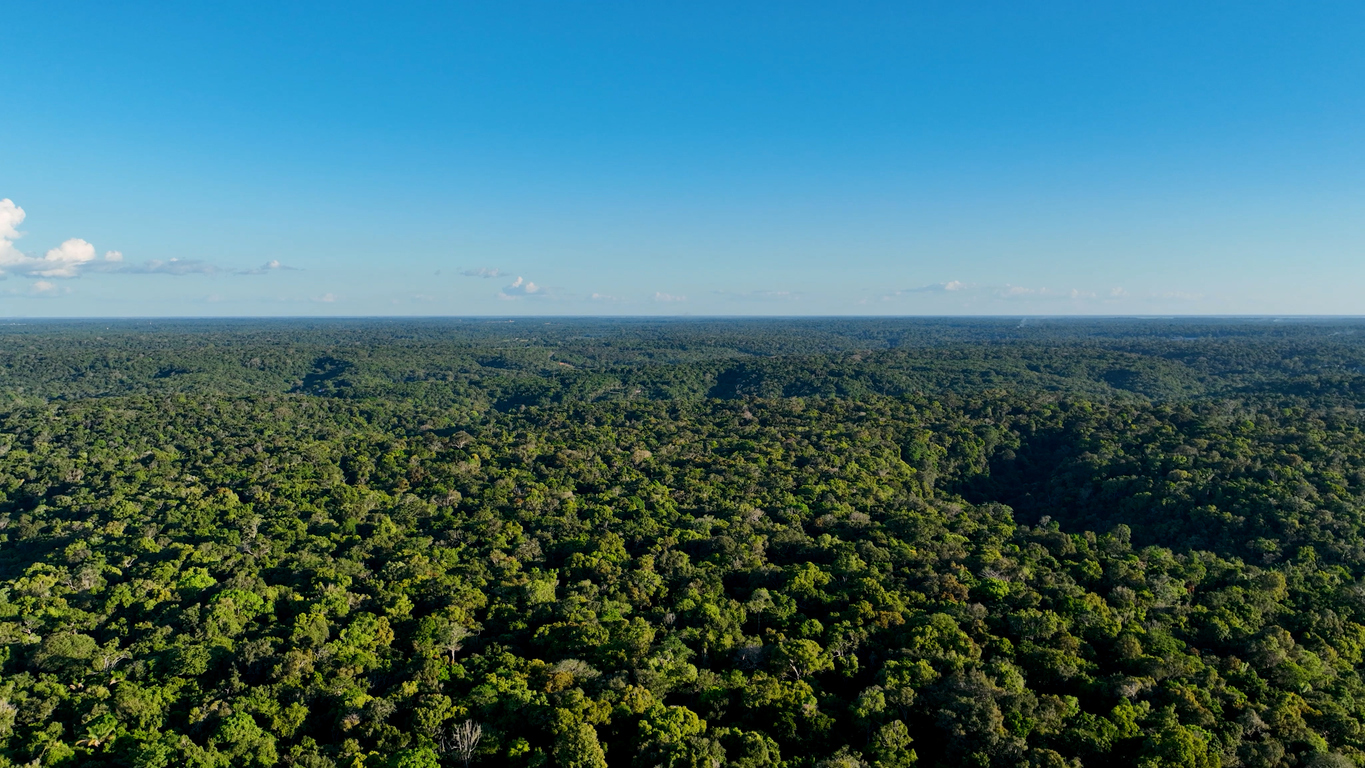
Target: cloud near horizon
75,257
66,260
521,288
273,265
952,286
156,267
483,272
1023,292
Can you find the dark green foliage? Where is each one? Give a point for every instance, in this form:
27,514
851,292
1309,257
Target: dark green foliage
841,543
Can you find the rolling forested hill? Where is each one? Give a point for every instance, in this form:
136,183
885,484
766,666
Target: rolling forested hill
839,542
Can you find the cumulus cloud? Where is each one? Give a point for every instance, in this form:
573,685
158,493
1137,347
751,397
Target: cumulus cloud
602,297
326,298
483,272
75,256
11,216
521,288
660,296
44,288
63,261
66,260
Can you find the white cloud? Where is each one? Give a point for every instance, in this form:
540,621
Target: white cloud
521,287
156,267
44,288
1117,292
603,297
1019,292
273,265
483,272
952,286
667,297
11,216
66,260
326,298
75,256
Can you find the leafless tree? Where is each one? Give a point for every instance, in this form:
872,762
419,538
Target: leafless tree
110,659
462,740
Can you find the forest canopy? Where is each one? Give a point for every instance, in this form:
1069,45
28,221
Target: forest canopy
701,543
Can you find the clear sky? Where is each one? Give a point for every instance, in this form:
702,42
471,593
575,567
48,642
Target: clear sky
339,158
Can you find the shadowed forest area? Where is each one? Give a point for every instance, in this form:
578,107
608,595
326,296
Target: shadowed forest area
697,543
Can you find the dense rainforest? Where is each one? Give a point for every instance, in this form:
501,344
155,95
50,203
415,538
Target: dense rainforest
832,543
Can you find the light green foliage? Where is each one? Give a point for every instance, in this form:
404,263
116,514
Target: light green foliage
422,757
892,746
577,746
244,742
835,543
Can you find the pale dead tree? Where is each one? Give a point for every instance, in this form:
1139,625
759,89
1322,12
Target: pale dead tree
452,640
462,740
110,659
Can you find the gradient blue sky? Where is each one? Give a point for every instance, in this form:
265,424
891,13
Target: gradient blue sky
309,158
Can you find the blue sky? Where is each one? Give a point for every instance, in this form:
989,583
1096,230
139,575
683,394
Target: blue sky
645,158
